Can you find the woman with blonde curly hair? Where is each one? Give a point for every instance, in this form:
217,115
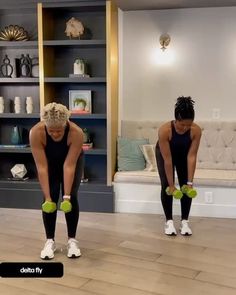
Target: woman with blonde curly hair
56,145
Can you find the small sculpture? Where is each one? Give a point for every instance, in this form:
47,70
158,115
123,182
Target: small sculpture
18,171
14,33
6,67
25,66
74,28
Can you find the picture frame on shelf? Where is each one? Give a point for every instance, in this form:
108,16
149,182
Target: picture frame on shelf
80,101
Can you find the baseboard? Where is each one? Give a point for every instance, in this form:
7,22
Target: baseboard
201,210
145,198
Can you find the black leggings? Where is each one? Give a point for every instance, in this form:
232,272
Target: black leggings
180,164
55,184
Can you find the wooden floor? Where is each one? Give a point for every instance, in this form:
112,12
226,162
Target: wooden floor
123,254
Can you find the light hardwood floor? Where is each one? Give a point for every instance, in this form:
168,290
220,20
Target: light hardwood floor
123,254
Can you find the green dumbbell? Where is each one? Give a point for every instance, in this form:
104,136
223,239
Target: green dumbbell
66,206
190,192
177,194
49,207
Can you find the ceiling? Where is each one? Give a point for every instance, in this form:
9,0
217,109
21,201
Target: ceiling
171,4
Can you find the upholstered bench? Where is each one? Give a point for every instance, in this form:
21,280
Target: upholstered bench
215,176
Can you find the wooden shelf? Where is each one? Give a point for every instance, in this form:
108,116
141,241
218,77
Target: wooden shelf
88,116
75,43
20,116
19,80
95,151
27,150
74,80
18,150
19,44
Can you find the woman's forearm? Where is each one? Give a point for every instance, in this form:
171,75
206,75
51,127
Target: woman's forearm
69,174
191,168
169,172
43,180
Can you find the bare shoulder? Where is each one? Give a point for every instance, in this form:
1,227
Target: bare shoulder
38,131
165,130
75,130
196,130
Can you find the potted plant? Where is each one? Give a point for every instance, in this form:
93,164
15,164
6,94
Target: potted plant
80,104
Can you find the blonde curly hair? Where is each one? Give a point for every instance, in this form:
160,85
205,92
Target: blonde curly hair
55,114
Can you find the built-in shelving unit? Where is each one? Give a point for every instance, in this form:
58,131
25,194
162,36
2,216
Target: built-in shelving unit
56,52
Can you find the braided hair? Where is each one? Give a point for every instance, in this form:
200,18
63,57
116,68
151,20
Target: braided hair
184,108
55,114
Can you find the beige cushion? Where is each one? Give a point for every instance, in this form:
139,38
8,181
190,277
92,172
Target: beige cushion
150,156
208,177
137,177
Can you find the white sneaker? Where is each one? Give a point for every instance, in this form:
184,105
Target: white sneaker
73,249
48,250
169,228
185,230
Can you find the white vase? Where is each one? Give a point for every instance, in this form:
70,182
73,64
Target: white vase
79,67
29,108
17,104
29,105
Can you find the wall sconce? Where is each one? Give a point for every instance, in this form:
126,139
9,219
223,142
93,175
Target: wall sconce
164,41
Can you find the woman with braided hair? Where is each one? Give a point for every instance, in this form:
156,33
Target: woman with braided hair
56,145
177,147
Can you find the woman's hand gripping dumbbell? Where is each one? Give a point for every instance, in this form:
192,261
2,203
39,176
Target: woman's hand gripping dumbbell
66,204
173,191
49,207
188,190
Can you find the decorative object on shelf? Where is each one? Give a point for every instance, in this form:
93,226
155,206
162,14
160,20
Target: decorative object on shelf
14,33
18,171
15,135
83,178
74,28
80,101
17,104
29,105
35,67
86,135
1,104
25,66
87,144
79,69
6,67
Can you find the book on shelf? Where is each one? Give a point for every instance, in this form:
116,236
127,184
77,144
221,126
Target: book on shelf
87,146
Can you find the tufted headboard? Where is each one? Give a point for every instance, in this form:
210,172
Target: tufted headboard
218,143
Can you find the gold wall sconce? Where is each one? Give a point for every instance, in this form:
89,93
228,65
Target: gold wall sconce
164,41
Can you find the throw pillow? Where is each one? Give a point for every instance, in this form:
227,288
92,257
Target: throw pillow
150,156
130,157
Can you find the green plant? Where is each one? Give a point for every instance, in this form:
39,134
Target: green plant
77,101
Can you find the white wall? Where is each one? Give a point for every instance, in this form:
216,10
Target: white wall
203,41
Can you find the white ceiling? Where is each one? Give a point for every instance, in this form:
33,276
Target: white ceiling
171,4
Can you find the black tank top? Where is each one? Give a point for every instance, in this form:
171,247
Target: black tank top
56,151
179,143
